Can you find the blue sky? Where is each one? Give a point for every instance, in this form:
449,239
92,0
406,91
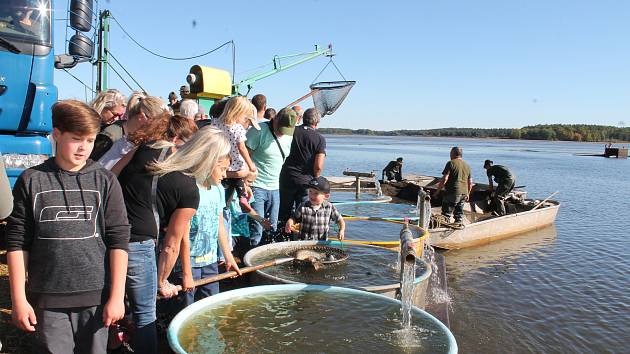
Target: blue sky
418,64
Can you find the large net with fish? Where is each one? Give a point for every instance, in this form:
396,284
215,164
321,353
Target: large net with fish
328,96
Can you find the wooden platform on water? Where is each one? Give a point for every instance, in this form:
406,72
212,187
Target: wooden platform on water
620,153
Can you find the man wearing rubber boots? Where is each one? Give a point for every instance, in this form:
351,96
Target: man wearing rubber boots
457,183
505,183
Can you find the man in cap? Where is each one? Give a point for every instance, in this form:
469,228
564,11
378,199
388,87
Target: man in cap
172,101
505,183
268,148
393,170
184,91
304,162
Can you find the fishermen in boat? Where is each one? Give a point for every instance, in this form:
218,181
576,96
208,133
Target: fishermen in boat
393,170
457,184
505,183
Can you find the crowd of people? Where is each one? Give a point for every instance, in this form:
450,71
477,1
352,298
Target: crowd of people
143,197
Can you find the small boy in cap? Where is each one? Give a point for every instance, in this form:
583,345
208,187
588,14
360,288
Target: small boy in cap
316,213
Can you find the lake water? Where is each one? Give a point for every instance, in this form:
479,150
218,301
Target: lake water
564,289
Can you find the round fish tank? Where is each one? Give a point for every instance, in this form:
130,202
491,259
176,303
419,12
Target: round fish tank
388,211
383,233
300,318
369,268
351,197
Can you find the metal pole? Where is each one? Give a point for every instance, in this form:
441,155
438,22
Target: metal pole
103,46
358,187
423,199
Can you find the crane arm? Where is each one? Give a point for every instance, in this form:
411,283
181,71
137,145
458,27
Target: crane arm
278,67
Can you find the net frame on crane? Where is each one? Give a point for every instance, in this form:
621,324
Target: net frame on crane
329,95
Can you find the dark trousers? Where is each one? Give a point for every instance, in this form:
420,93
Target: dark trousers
391,175
291,196
71,330
502,191
452,202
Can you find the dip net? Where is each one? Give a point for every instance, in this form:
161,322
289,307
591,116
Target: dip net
328,96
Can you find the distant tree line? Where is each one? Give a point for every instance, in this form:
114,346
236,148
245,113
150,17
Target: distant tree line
565,132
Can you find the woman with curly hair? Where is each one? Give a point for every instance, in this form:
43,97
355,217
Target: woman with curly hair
142,109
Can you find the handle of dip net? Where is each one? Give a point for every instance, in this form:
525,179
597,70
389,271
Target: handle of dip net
232,273
543,202
301,99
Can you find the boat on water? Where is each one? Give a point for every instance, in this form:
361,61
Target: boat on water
480,228
479,225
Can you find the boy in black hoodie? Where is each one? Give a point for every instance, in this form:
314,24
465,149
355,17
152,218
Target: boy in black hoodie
67,241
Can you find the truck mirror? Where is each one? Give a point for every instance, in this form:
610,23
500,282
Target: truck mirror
81,46
65,61
81,15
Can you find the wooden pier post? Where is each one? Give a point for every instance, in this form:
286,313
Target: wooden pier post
358,176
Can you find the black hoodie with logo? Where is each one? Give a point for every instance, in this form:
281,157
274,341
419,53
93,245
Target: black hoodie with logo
67,221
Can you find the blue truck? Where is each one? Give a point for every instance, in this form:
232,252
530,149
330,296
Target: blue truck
27,90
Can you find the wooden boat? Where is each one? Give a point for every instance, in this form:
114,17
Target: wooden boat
486,228
479,228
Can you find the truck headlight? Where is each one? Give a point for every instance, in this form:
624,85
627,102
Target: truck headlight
23,161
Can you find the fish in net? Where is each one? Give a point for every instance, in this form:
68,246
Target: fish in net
317,256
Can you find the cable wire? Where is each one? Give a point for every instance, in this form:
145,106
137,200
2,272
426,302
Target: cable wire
79,80
123,80
128,73
325,66
167,57
339,71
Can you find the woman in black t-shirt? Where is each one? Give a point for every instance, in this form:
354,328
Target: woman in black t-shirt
175,194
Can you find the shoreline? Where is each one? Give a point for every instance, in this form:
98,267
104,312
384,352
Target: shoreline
324,132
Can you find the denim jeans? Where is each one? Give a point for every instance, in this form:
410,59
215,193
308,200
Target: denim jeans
454,201
203,291
267,204
141,289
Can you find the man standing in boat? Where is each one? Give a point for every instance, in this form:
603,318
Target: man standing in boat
393,170
457,184
505,183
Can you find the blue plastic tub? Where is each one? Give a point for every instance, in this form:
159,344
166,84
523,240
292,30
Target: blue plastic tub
449,344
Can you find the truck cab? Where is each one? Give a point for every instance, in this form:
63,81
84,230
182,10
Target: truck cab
27,92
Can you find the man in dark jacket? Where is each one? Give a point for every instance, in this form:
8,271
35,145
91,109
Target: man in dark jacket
505,183
393,170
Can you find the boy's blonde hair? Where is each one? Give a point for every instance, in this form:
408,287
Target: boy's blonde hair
75,117
198,157
236,108
108,99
